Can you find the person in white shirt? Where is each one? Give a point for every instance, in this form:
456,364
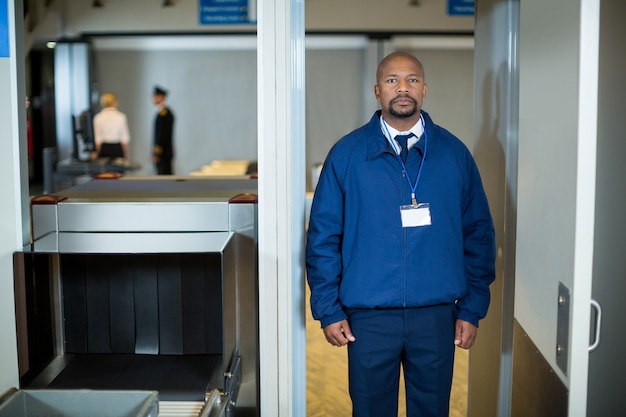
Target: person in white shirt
110,128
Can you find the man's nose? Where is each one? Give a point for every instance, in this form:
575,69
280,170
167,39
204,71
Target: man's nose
403,86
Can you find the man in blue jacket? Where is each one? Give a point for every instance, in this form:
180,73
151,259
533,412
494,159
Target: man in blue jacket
400,249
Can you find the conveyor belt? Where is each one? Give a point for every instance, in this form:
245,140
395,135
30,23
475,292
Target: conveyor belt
217,404
180,408
171,188
184,377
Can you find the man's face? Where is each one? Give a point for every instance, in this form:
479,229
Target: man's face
157,98
400,88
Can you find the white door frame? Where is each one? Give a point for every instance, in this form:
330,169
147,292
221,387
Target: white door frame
281,156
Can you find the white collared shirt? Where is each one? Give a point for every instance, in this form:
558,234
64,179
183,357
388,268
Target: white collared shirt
390,133
110,126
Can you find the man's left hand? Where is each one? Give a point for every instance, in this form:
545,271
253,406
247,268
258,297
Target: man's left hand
464,334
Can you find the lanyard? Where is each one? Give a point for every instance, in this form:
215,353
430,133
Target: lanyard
406,173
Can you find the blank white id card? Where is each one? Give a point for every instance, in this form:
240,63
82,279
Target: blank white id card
415,216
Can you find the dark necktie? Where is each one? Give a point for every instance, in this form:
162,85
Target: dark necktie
402,139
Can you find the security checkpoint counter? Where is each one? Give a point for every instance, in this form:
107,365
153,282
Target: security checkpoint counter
143,284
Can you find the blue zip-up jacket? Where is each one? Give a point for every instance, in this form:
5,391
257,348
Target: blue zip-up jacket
358,254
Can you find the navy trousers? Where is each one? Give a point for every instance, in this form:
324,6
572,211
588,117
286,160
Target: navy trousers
419,339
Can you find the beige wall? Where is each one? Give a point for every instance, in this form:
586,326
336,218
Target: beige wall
321,15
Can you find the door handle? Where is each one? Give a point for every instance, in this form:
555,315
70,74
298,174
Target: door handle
596,341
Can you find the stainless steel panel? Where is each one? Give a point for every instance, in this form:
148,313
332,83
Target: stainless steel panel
117,216
131,242
243,219
217,405
562,328
245,320
46,216
537,390
230,259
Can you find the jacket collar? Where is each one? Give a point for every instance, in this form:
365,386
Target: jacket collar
377,143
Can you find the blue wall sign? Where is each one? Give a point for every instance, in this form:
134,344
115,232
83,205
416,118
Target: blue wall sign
461,7
226,12
4,29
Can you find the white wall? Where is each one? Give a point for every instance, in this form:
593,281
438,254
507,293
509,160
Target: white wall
213,94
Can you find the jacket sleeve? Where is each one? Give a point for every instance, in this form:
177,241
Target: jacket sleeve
323,251
479,248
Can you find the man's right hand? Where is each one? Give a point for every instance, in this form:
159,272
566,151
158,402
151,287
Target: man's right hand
339,334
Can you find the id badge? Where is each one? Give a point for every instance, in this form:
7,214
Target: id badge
414,216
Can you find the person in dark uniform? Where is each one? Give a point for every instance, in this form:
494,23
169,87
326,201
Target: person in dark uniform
162,151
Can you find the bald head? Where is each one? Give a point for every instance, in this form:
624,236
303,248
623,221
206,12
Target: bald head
395,56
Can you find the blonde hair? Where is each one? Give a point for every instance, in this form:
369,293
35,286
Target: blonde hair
108,100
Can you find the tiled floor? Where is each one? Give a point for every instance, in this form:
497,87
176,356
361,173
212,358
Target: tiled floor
327,378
